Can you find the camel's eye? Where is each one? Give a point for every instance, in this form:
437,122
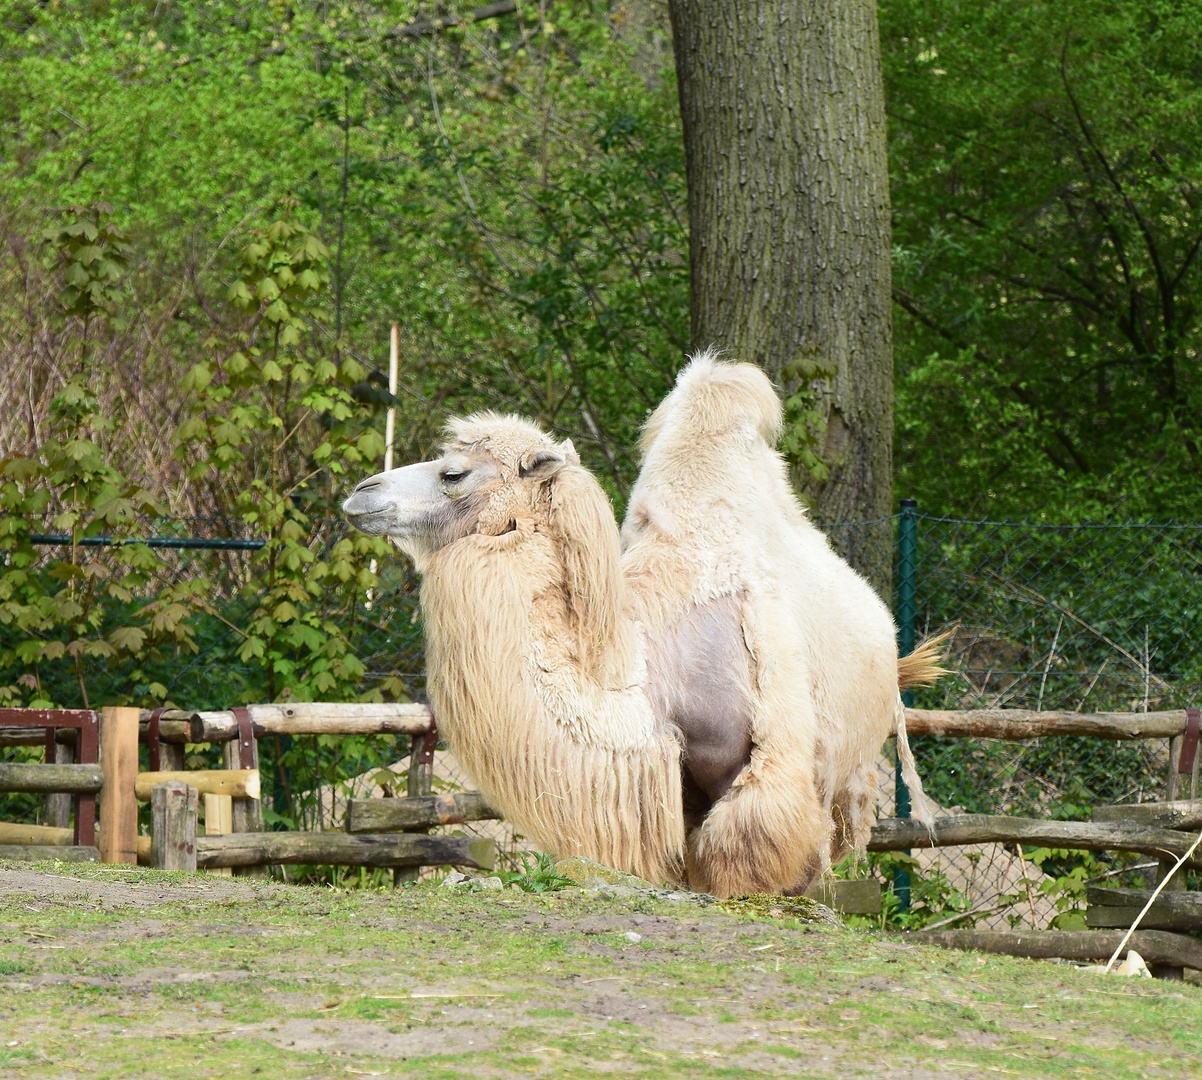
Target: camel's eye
453,476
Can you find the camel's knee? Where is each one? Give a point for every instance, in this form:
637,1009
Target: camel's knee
762,836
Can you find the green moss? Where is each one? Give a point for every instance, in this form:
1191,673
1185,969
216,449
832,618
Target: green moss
769,906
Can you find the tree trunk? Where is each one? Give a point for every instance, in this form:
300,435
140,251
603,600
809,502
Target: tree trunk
782,104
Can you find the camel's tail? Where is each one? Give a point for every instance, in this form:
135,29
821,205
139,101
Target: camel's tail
924,666
921,808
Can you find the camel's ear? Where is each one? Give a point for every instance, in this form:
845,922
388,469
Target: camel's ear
542,464
569,452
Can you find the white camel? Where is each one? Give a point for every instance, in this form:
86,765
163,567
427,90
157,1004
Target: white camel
706,708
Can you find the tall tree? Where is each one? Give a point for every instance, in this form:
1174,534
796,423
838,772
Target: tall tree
788,192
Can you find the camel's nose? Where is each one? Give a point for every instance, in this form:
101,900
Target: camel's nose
368,498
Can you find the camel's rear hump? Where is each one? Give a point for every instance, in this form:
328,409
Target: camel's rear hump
712,399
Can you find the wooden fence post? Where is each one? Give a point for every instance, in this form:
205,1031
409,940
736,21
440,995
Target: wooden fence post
421,782
173,806
118,802
58,804
219,821
247,813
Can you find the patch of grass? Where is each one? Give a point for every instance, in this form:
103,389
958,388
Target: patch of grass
512,985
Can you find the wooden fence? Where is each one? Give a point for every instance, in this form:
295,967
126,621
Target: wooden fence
392,832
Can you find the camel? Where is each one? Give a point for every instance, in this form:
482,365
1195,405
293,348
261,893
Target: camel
703,709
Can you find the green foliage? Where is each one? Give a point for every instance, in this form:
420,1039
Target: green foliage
537,874
1066,875
804,422
1046,160
255,406
79,608
933,898
91,254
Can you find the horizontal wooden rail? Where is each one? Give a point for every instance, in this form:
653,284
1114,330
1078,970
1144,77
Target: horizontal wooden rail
1155,946
1019,724
339,849
237,783
174,727
897,834
423,812
33,736
12,832
1178,814
35,852
356,718
69,779
311,718
1118,908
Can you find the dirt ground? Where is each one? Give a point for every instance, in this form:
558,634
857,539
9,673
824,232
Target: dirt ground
110,972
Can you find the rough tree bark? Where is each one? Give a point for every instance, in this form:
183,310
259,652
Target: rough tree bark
782,105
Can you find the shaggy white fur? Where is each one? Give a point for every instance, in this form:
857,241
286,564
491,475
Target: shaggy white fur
535,676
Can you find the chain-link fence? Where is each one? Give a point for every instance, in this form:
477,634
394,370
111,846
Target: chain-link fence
1084,618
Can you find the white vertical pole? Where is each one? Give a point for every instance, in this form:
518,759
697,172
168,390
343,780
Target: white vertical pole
394,358
394,354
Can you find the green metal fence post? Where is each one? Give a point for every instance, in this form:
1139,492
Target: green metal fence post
907,587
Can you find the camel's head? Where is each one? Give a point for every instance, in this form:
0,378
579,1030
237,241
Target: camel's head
488,476
497,475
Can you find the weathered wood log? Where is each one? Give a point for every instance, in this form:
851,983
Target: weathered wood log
39,852
355,718
1155,946
420,786
1183,814
37,835
118,806
897,834
77,779
145,848
171,756
173,807
315,718
1021,724
1119,908
394,815
175,726
339,849
237,783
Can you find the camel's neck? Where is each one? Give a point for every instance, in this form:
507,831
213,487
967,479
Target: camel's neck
500,640
577,762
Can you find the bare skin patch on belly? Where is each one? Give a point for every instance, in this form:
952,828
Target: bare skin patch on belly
700,678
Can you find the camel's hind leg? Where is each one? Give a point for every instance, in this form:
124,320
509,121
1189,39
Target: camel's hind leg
763,836
852,812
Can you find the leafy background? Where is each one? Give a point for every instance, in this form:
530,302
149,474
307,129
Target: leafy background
211,213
